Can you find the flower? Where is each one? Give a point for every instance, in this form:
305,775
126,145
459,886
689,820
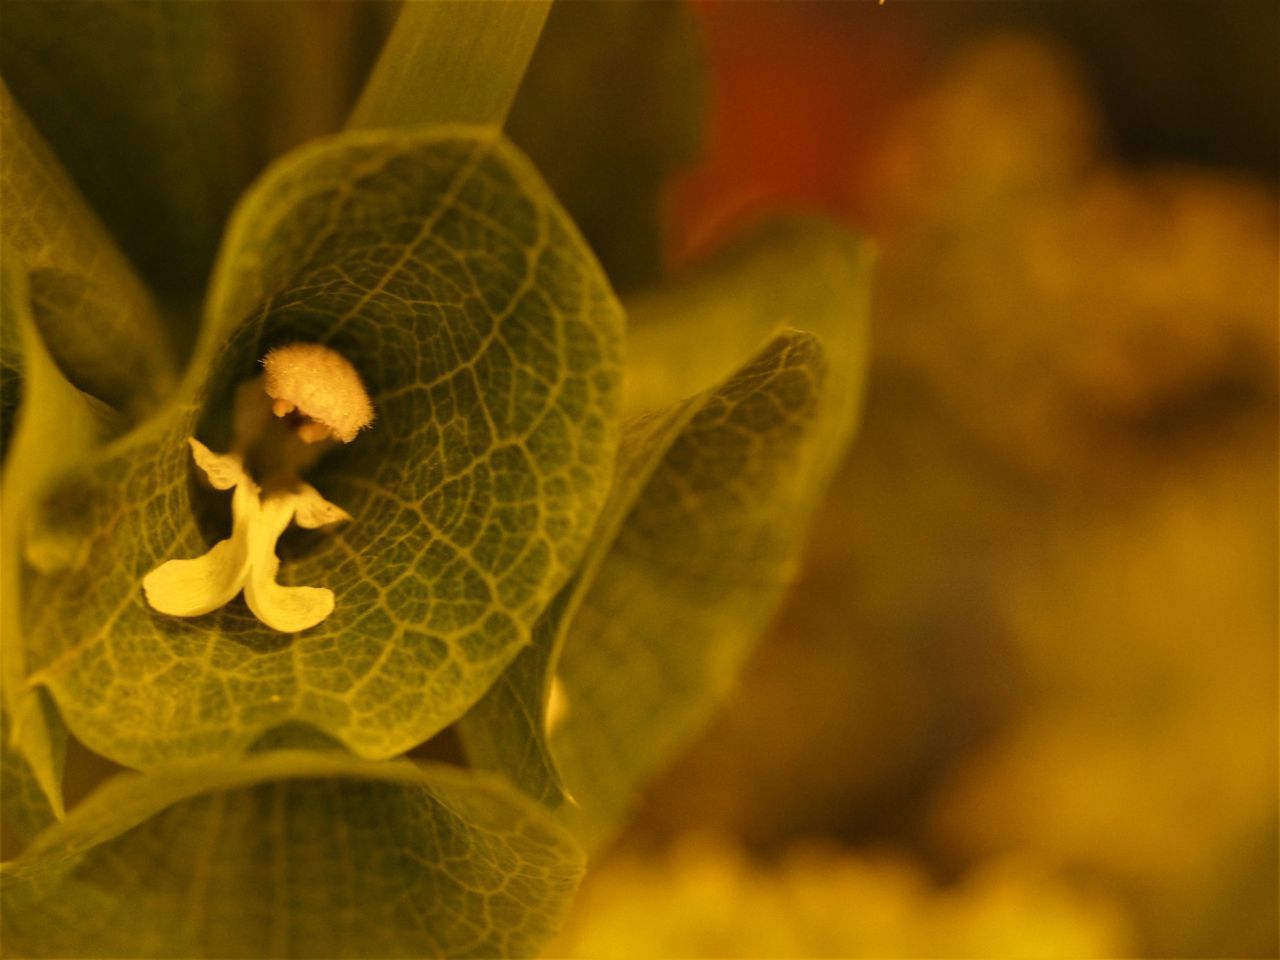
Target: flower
316,397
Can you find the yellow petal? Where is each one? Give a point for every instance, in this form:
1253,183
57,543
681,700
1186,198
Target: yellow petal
313,510
224,470
191,588
247,559
287,609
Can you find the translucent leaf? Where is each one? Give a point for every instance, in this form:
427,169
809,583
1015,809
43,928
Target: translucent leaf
97,319
54,426
139,100
698,541
28,808
698,328
441,267
293,855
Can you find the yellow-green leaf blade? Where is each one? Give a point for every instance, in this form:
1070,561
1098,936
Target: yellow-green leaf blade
140,100
704,525
28,806
699,327
293,854
441,267
55,426
507,728
97,319
707,553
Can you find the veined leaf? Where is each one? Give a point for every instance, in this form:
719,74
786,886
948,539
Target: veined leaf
612,104
27,806
506,729
293,854
701,534
439,264
54,427
139,100
451,61
97,319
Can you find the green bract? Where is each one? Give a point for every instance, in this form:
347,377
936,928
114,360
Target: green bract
527,513
488,340
703,527
293,854
141,102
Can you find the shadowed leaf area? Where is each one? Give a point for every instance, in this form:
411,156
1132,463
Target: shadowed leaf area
96,318
10,376
26,810
140,102
613,103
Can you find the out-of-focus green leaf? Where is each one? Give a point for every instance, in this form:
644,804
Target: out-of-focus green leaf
139,100
451,61
694,575
54,427
27,806
506,729
699,539
10,376
696,330
298,855
440,265
96,318
612,104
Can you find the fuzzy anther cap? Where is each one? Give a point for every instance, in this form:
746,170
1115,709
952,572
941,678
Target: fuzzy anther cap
322,386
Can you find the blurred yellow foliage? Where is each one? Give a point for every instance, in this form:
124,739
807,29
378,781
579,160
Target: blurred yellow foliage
1053,296
707,898
1116,333
1148,749
1040,613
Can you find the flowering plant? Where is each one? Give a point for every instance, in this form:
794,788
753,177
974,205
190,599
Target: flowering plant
554,557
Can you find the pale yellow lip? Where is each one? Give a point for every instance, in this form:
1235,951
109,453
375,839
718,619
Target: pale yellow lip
246,562
321,390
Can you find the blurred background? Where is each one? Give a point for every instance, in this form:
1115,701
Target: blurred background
1023,699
